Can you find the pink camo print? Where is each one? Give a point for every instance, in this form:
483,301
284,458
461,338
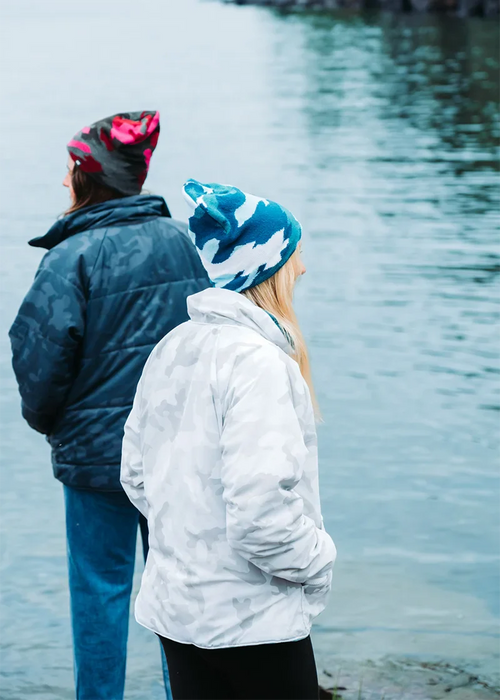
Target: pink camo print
84,147
147,157
128,131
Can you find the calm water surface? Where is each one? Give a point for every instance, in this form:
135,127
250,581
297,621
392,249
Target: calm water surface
379,132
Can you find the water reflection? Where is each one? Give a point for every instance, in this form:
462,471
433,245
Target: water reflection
401,181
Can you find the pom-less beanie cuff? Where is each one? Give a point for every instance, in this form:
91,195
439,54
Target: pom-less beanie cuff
242,239
116,151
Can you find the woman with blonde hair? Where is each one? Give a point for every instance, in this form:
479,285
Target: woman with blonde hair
220,456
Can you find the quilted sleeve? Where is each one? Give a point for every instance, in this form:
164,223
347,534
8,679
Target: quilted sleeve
263,454
46,338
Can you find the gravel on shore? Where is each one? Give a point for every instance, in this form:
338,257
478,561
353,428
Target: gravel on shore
403,679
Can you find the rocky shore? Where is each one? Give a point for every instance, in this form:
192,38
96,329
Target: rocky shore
403,679
462,8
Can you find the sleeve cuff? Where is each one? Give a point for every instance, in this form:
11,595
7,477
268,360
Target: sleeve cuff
40,422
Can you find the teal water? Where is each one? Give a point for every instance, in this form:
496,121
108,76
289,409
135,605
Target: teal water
380,133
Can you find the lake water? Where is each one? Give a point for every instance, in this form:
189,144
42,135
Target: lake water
379,132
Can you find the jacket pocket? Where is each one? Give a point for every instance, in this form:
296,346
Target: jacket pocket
315,596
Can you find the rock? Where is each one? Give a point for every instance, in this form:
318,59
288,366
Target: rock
403,679
462,8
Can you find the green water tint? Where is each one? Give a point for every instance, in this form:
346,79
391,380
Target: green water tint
380,133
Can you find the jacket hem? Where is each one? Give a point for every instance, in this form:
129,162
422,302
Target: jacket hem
79,476
89,488
296,638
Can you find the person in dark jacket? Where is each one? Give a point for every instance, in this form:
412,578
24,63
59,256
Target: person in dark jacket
113,283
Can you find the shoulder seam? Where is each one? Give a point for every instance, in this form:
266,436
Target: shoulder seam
217,399
62,277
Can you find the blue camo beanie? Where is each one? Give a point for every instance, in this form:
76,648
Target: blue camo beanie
242,240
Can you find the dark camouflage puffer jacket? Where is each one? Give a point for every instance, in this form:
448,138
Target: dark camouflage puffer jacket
114,282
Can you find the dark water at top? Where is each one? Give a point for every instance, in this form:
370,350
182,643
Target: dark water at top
380,133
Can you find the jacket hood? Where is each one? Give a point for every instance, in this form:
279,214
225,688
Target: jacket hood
224,307
115,212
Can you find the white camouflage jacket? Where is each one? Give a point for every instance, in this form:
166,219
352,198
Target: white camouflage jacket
220,455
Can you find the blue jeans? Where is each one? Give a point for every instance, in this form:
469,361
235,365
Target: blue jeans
101,530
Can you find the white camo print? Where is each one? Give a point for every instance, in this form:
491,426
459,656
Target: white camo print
220,455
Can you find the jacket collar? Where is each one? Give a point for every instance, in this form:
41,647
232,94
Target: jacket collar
115,212
222,306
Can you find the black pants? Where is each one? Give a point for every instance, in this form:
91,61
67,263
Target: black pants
284,671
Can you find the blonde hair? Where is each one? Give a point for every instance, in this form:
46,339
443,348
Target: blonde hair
275,295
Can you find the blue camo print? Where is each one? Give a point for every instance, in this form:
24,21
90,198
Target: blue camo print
242,239
220,455
113,283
